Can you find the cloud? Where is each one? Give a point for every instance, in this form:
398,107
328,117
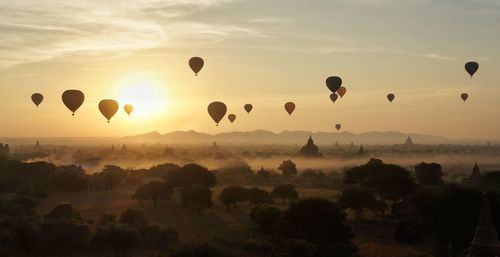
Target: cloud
439,57
35,30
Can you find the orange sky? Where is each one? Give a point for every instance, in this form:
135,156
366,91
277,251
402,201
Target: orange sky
260,52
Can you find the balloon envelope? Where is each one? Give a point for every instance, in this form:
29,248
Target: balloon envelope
37,99
338,126
231,117
290,107
471,68
464,96
248,108
333,83
108,108
73,99
391,97
128,108
334,97
217,110
196,64
341,91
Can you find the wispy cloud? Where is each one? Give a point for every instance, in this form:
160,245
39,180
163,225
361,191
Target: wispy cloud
38,30
439,57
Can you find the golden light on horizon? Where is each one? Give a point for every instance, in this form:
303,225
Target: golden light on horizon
145,92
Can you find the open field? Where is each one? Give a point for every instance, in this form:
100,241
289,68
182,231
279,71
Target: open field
373,237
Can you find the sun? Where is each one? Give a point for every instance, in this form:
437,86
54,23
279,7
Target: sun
143,92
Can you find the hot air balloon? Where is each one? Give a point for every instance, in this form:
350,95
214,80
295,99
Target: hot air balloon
338,126
471,68
333,83
334,97
217,110
73,99
464,96
231,117
341,91
37,99
290,107
196,64
128,108
248,108
391,97
108,108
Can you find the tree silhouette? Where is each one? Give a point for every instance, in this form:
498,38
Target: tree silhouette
388,181
288,168
232,195
429,173
358,199
191,174
153,191
285,192
266,218
195,196
320,222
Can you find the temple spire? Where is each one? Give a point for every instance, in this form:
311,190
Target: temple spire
485,242
476,172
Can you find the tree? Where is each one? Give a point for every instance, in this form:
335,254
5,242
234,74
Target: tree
266,218
357,198
285,192
429,173
320,222
110,177
288,168
259,196
232,195
162,170
191,174
121,238
64,236
134,218
69,179
237,167
153,191
488,181
388,181
198,197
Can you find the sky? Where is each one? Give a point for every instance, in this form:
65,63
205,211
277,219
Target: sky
263,52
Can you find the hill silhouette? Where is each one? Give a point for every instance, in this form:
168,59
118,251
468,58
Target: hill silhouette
289,137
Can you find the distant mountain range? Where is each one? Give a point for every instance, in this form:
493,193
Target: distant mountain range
291,137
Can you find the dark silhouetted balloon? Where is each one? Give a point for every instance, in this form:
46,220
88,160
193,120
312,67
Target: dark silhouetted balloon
196,64
290,107
471,68
217,110
108,108
73,99
333,83
248,108
391,97
128,108
37,99
338,126
464,96
334,97
231,117
341,91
